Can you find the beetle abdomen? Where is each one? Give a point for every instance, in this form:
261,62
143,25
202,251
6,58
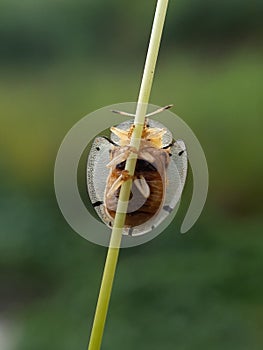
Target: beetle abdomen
140,209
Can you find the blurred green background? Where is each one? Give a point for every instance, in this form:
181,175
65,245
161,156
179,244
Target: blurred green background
62,60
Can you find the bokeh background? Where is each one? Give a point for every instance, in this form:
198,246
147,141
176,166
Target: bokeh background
61,60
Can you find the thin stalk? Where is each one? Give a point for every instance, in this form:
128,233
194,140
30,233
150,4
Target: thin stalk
113,251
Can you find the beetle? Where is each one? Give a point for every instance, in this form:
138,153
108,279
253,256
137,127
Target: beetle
158,180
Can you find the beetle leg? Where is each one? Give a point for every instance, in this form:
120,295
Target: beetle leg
122,134
122,156
118,182
147,156
142,186
154,133
118,159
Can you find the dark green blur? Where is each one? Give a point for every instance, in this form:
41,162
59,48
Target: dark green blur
61,60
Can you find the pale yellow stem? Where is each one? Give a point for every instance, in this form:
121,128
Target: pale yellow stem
113,251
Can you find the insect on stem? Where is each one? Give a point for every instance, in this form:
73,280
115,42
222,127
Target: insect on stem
119,221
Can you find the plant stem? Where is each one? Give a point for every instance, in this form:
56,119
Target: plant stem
113,251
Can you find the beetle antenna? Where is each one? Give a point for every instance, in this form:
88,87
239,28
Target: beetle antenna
147,115
123,113
159,110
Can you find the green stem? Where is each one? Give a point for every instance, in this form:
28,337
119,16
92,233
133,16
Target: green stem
113,251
